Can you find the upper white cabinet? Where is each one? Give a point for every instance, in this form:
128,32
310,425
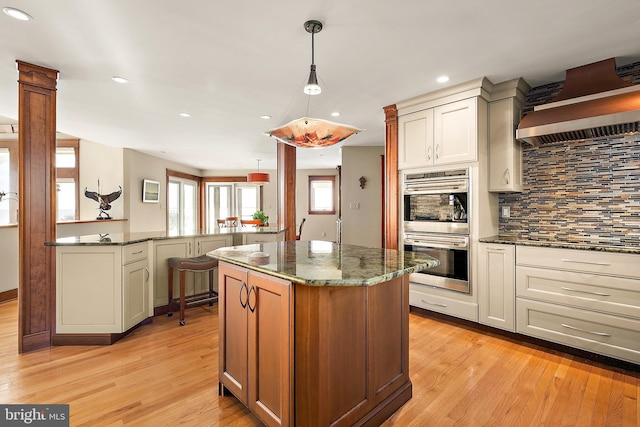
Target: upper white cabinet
455,128
415,139
505,152
444,127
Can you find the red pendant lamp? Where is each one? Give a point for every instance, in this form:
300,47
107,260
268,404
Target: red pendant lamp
258,178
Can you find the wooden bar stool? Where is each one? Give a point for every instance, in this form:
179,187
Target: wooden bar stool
196,265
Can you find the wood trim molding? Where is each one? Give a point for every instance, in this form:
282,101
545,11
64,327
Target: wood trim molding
287,190
9,295
391,173
37,214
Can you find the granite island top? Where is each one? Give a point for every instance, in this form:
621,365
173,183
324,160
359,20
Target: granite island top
321,263
121,239
564,244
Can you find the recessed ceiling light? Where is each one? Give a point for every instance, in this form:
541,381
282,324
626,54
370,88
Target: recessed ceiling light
17,14
335,113
185,114
265,116
119,79
442,79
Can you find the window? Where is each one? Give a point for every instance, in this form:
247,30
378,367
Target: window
182,206
9,182
67,178
225,199
321,195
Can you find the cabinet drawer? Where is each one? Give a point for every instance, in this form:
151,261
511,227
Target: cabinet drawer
131,253
614,264
596,332
615,295
420,297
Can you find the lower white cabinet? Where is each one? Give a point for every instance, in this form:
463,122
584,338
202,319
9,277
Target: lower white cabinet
443,301
496,286
584,299
101,289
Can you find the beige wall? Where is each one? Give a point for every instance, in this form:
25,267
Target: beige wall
8,258
362,208
104,163
316,227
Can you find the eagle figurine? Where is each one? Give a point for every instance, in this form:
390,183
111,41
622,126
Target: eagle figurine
104,200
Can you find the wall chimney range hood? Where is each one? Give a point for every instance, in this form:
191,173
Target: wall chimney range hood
593,103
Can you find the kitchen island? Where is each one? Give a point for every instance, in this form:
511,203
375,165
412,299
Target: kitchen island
314,333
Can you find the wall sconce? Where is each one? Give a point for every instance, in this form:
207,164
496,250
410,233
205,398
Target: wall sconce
363,181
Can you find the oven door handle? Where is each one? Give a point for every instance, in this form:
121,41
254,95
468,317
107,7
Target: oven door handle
440,187
437,243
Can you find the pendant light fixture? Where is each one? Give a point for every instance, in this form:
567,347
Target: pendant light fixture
258,178
309,132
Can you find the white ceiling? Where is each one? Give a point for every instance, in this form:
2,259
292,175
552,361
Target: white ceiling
229,62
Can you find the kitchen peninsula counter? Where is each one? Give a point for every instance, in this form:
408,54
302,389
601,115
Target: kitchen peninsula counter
315,333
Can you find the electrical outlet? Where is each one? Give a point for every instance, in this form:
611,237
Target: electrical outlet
354,206
506,212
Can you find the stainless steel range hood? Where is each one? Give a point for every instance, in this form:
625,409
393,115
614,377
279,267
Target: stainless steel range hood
593,103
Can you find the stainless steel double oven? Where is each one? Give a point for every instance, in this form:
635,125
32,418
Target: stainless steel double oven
436,223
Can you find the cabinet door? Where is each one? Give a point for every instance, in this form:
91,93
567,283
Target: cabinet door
165,249
455,132
496,285
201,246
270,314
135,293
232,330
505,153
415,139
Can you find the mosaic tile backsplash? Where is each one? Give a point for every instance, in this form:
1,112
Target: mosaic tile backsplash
580,192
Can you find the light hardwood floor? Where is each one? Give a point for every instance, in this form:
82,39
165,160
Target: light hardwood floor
163,374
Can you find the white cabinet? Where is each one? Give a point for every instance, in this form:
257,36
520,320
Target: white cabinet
505,152
496,285
455,128
249,239
101,289
584,299
438,136
443,301
415,139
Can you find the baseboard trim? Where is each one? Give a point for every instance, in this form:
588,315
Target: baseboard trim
9,295
94,339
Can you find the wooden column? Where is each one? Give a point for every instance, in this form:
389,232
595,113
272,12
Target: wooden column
37,205
391,172
287,189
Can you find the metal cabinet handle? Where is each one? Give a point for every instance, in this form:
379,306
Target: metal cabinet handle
507,175
243,303
600,334
433,303
136,253
585,262
198,248
429,153
437,150
189,249
249,299
148,274
601,294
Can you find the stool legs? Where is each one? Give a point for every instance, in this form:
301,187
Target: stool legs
170,312
182,302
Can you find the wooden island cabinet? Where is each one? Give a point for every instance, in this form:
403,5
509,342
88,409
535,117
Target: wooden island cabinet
316,333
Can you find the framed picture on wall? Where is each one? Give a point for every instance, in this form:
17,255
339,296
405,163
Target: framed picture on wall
150,191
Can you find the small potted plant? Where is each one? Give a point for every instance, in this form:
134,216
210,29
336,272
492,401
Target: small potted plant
262,217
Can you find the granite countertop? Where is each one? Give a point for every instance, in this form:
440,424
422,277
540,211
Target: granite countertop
122,239
549,243
320,263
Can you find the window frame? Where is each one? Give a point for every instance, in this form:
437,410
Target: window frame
182,177
70,173
12,147
311,198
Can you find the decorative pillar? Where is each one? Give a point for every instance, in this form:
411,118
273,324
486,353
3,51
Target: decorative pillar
287,189
391,173
37,205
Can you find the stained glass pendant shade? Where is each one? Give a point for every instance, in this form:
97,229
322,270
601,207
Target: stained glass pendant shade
309,132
